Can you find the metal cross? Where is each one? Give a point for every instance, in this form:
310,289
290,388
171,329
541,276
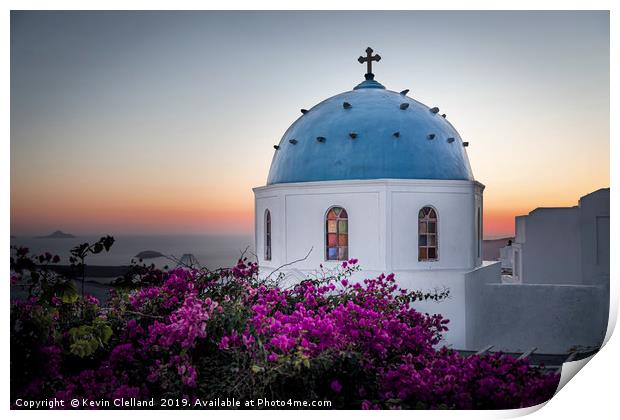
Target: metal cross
368,60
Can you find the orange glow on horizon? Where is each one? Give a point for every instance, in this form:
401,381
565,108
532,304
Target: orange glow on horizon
167,141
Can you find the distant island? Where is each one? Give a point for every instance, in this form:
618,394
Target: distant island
57,235
145,255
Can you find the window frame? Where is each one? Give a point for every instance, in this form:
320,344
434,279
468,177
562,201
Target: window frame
326,233
267,235
427,220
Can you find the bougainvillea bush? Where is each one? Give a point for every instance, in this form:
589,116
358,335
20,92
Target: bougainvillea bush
198,334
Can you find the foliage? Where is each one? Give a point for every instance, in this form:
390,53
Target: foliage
80,252
201,334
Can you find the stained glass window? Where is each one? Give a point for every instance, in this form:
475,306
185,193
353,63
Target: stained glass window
267,235
427,235
337,234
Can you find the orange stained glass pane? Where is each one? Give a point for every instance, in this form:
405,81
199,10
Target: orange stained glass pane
423,255
331,226
343,240
332,239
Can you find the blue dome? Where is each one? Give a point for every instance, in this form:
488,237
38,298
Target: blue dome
369,133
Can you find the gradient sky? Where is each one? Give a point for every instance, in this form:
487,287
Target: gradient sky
162,122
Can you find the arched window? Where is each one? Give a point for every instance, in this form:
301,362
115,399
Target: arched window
337,234
267,235
427,234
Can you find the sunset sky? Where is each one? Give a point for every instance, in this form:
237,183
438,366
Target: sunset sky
162,122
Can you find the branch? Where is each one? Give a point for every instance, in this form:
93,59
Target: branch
255,256
144,315
179,262
290,263
244,251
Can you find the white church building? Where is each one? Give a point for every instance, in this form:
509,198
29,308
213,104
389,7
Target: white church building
376,175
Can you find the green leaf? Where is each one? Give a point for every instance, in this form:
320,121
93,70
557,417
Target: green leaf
69,296
84,348
106,334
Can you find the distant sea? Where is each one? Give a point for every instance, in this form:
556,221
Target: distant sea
212,251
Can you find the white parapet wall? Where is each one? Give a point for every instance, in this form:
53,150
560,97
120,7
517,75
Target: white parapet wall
517,317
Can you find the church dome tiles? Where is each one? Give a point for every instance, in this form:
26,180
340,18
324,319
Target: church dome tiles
370,133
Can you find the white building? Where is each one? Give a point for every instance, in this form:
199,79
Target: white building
376,175
505,257
564,245
558,298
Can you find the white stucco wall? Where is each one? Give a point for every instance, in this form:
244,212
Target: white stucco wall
506,257
551,254
383,222
595,234
520,229
516,317
551,317
564,245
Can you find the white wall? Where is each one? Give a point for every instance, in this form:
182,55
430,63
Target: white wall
506,257
594,222
551,253
305,226
383,222
520,229
565,245
474,305
516,317
553,318
456,222
273,204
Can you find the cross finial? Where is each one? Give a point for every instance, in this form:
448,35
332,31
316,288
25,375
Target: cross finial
368,60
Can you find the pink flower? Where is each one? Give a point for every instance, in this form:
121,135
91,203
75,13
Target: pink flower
91,300
15,277
314,321
336,386
224,343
